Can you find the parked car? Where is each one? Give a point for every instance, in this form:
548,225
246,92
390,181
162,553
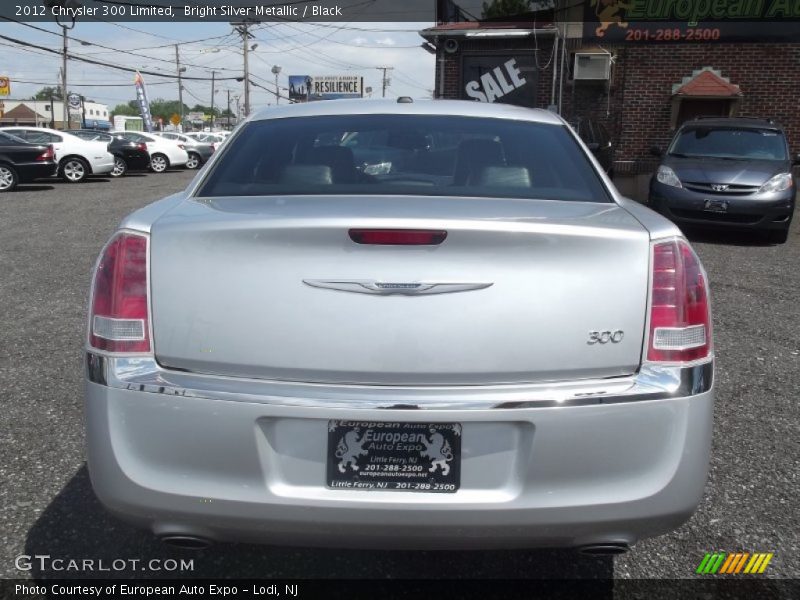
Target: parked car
727,172
164,154
214,139
23,162
479,345
199,152
596,137
77,159
128,155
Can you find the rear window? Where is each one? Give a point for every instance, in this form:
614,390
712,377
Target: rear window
405,154
730,142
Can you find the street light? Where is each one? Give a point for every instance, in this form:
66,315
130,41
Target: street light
276,71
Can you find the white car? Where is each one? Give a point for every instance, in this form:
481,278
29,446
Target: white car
164,153
76,158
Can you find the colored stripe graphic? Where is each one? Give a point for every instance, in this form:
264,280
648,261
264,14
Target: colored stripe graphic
734,563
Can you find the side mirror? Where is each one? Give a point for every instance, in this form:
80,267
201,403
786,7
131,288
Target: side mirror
656,151
593,146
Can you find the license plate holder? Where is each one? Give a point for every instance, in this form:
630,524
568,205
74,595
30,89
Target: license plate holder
716,206
392,456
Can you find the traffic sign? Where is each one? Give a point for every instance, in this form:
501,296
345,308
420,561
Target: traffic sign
175,120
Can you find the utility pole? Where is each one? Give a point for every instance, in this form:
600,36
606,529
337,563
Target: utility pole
213,91
386,81
229,109
242,28
276,71
64,79
180,83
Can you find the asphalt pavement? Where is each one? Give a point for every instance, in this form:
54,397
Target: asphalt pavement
50,235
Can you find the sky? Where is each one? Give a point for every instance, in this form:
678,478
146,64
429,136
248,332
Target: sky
298,48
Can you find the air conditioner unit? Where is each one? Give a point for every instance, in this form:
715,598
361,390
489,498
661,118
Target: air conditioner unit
592,66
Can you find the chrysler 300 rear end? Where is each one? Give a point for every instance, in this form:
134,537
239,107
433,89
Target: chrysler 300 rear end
405,325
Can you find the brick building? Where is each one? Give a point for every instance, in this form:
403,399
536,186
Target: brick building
641,79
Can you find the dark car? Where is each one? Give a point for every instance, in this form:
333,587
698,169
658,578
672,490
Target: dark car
727,172
22,162
596,137
128,155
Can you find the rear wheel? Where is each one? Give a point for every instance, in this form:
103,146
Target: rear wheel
193,162
159,163
74,170
8,178
778,236
120,167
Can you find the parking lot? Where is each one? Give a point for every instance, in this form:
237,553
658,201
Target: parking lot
50,234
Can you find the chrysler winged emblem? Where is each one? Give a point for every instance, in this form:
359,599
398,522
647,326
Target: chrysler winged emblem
412,288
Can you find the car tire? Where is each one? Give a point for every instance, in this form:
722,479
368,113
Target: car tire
194,161
778,236
120,167
159,163
73,170
8,178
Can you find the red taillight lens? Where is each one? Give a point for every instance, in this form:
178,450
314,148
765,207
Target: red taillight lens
398,237
142,147
48,154
120,317
680,314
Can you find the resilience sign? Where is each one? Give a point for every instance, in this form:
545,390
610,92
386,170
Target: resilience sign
692,20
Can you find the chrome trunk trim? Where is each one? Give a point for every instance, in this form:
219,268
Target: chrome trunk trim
652,382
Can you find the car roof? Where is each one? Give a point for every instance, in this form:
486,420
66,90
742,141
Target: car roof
740,122
464,108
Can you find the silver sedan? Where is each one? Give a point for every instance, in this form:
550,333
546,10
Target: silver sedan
413,324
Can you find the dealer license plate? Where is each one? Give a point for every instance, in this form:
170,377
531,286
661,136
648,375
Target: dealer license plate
405,457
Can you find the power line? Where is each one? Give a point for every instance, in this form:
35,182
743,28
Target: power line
108,66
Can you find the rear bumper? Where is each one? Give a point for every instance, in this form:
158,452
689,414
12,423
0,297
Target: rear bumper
773,211
136,161
31,171
102,166
252,468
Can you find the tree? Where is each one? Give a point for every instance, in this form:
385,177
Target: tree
125,110
46,92
505,8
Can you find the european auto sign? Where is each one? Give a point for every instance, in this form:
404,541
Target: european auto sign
637,21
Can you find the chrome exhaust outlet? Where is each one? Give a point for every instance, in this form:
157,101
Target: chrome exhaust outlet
185,542
607,549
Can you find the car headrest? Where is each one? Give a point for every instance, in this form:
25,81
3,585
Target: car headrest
338,158
474,155
307,174
505,177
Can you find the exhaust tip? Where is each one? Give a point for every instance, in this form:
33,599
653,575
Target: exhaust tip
185,542
608,549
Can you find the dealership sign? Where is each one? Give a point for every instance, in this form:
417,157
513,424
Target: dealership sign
303,88
691,20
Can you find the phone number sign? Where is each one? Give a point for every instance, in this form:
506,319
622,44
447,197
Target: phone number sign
637,21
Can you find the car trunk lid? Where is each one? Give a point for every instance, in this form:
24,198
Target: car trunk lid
236,290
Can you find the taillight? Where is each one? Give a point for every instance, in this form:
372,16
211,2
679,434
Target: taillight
680,314
48,154
398,237
119,320
142,146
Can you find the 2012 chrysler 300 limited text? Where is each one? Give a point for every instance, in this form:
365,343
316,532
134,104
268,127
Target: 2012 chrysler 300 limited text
408,324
